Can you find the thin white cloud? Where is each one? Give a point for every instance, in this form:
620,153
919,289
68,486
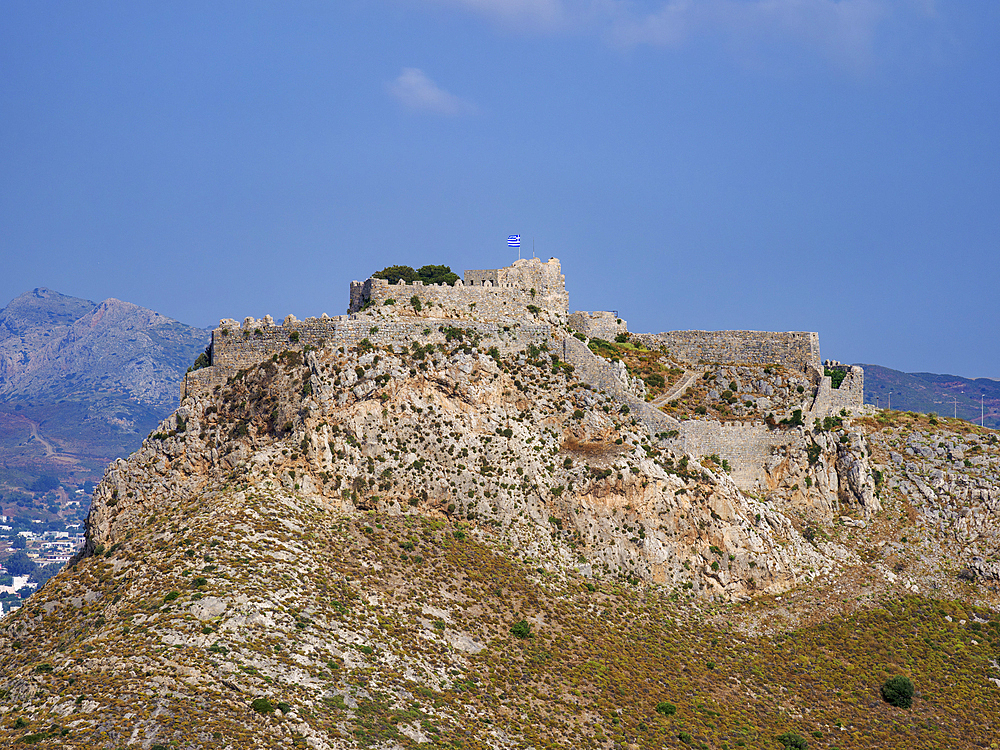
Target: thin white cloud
843,30
415,90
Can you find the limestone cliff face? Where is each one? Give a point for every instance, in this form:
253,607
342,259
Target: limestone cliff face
513,444
820,476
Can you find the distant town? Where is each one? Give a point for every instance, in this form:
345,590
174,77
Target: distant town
36,549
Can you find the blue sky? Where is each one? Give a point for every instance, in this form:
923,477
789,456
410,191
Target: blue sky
764,164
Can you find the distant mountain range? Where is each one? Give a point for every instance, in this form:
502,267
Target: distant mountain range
948,395
81,383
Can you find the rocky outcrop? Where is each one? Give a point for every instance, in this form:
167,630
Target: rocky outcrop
511,442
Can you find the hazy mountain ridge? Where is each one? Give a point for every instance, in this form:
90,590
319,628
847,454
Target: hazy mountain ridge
948,395
113,346
82,383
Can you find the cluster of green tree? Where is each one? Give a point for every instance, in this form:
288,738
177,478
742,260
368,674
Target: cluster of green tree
19,564
44,483
426,274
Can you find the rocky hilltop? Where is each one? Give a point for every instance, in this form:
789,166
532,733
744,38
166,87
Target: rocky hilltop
460,540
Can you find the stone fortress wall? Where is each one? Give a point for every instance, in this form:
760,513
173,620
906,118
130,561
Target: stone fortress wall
501,294
495,304
598,325
797,350
236,347
850,395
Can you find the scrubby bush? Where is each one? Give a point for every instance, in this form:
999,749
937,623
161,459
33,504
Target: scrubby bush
521,629
898,691
262,705
204,360
792,741
667,709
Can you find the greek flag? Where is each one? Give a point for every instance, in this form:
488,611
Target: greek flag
514,240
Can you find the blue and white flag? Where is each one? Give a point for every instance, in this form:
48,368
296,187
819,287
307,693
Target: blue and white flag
514,240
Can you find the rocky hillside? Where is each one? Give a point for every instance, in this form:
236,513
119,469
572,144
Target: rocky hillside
82,383
446,546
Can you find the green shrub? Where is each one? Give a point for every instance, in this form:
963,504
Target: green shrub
521,629
667,709
171,596
415,302
204,360
199,582
792,741
262,705
836,376
898,691
43,668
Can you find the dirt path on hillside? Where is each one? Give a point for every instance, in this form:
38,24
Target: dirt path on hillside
689,377
51,451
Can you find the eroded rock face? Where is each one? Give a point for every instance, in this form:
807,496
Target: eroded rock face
857,486
507,442
822,475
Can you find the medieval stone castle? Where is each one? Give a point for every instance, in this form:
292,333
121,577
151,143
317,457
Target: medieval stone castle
527,303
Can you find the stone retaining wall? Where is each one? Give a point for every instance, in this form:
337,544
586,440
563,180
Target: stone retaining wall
745,445
598,325
236,347
795,349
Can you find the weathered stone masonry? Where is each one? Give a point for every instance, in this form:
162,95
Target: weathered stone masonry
794,349
499,295
495,305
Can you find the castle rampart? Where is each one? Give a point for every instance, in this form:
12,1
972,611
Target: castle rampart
850,394
598,325
798,350
502,294
511,308
236,347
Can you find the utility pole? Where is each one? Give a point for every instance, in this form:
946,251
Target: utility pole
955,402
